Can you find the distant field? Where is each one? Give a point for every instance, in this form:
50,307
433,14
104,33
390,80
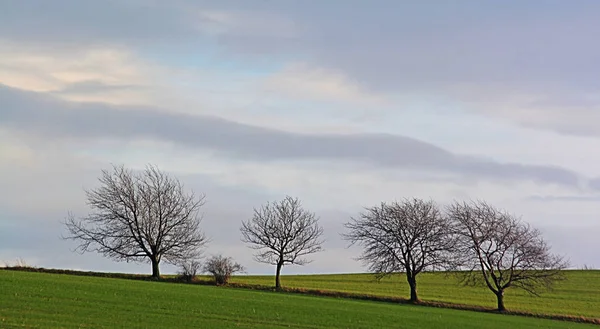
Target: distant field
579,295
42,300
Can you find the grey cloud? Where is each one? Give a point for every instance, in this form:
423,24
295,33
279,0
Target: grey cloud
384,44
91,87
568,198
391,45
51,117
81,22
501,62
490,60
594,184
496,54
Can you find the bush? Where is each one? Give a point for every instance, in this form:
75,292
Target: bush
189,270
222,268
19,263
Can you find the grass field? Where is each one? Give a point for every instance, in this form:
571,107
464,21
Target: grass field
579,295
42,300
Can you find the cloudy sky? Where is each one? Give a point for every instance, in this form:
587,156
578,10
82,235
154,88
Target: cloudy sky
342,103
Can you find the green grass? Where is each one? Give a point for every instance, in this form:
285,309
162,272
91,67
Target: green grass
42,300
579,295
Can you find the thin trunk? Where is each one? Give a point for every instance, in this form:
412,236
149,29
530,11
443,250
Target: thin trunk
277,279
500,298
155,268
413,291
412,283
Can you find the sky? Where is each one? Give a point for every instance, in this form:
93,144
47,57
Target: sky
341,103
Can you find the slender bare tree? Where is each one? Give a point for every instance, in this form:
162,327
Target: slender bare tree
140,216
409,236
283,232
501,251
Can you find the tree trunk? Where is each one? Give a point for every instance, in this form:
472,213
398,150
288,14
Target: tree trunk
412,283
155,268
277,279
500,298
413,291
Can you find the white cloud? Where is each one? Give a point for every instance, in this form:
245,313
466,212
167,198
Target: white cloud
304,82
119,76
238,23
541,106
106,69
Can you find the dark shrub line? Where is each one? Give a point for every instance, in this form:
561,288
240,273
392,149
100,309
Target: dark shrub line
312,292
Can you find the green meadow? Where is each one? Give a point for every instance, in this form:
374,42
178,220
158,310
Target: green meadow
43,300
579,295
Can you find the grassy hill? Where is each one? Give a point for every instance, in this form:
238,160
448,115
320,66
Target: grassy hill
42,300
579,295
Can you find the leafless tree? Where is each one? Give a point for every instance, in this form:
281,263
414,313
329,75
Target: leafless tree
189,269
222,268
501,251
140,216
409,236
283,232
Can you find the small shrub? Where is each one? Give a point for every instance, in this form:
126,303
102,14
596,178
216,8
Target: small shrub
19,263
222,268
22,263
189,269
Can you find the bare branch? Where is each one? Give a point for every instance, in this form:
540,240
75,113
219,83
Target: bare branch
221,268
501,251
409,236
143,216
283,233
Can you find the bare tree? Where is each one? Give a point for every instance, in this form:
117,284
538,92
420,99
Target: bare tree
501,251
283,232
222,268
409,236
189,269
140,216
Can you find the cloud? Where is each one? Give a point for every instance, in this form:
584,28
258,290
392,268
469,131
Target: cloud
534,67
245,23
114,93
519,63
571,119
91,86
54,118
74,22
563,198
134,81
108,75
300,81
595,184
124,76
